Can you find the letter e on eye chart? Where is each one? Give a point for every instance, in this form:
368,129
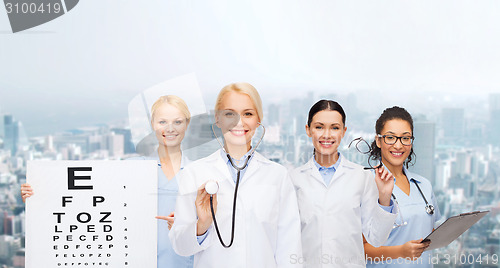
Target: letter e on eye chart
91,214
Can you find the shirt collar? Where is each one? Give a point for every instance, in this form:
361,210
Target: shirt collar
333,167
409,175
183,160
241,160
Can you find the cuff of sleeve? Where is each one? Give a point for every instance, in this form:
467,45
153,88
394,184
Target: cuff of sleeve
202,237
388,208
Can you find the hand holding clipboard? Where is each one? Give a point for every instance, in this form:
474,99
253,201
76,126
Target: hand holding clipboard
452,228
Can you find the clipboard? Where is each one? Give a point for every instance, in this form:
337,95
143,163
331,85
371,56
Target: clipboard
452,228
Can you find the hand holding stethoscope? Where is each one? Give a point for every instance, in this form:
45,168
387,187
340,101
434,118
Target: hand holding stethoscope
206,198
203,210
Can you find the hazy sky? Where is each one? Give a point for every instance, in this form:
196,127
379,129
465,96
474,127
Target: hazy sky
85,66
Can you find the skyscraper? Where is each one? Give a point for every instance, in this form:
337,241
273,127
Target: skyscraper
453,124
462,164
273,114
2,126
424,147
494,126
115,144
128,146
11,139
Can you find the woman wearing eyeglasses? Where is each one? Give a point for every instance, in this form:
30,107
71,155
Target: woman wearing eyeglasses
339,200
415,201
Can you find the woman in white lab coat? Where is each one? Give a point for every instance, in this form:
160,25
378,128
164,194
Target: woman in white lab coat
418,209
338,200
267,223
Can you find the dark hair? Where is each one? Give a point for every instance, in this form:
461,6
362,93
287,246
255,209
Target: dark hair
390,114
327,105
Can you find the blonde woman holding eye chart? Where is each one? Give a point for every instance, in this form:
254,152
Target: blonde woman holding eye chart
170,119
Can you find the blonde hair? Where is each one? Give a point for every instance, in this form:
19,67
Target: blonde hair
174,101
244,88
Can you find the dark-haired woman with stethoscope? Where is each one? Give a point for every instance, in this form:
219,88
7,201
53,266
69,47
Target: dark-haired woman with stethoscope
413,195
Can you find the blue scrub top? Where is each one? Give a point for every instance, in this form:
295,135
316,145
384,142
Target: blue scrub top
167,196
419,223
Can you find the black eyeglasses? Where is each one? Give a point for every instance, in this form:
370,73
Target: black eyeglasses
392,139
363,147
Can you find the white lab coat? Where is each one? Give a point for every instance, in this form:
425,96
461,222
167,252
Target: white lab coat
334,216
267,228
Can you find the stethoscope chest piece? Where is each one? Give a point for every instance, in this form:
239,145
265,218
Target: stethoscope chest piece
429,209
212,187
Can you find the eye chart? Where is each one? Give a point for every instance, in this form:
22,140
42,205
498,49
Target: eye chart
91,214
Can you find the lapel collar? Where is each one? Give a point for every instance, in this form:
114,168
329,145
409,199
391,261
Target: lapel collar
340,170
345,166
219,163
254,165
313,171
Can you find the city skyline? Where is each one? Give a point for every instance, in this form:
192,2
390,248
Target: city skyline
419,103
463,174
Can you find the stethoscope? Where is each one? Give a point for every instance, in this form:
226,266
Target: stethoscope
428,207
212,187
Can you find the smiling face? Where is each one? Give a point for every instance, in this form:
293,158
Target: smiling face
237,119
169,124
394,156
326,131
